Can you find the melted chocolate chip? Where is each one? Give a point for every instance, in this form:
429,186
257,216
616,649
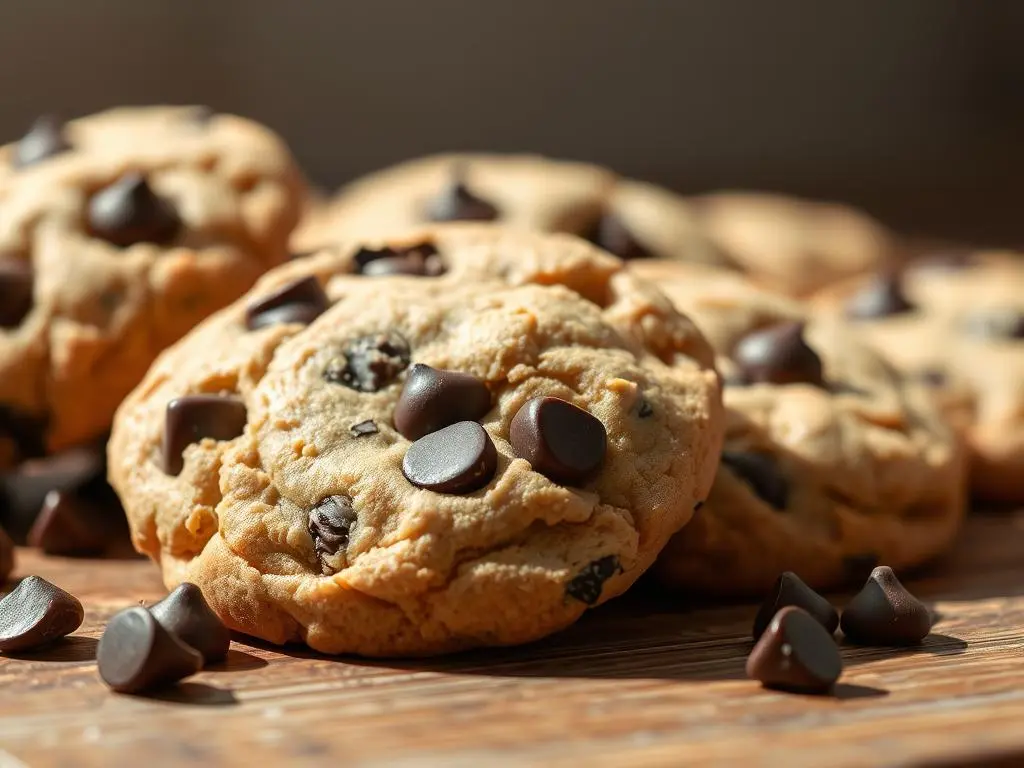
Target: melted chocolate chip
586,586
369,363
460,458
790,589
44,139
761,473
611,234
457,203
186,615
330,523
192,418
885,613
15,292
300,301
881,297
136,653
129,212
778,355
795,653
363,428
432,399
561,441
999,325
420,260
35,613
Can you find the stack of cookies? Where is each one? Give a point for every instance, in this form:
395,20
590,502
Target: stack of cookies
490,392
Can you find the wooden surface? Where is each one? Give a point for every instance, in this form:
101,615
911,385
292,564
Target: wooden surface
643,681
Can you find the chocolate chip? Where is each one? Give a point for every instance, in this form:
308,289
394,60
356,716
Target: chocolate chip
136,653
1006,324
795,653
300,301
645,409
885,613
44,139
35,613
778,355
69,524
611,234
191,418
129,212
369,363
25,431
586,585
363,428
15,292
434,398
790,589
561,441
457,203
186,614
330,523
421,260
761,473
6,556
881,297
460,458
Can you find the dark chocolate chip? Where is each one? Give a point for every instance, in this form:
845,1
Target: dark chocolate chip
795,653
300,301
420,260
44,139
363,428
70,524
457,203
561,441
129,212
186,615
586,585
191,418
790,589
1006,324
778,355
25,431
432,399
35,613
645,409
330,523
610,233
6,556
15,292
881,297
460,458
136,653
885,613
369,363
761,472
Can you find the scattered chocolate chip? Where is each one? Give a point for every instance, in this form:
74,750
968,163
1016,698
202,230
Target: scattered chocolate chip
457,203
191,418
330,523
610,233
645,409
421,260
432,399
69,524
778,355
300,301
1006,324
761,472
25,431
882,296
363,428
561,441
369,363
460,458
790,589
795,653
129,212
136,653
15,292
44,139
35,613
186,615
885,613
586,585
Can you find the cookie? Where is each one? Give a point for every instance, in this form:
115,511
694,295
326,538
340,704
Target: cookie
832,461
410,464
955,321
118,233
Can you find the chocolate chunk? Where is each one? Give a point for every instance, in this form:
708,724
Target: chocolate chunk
795,653
611,234
881,297
421,260
300,301
885,613
363,428
790,589
186,615
761,473
460,458
778,355
129,212
330,523
369,363
136,653
457,203
15,292
1005,325
561,441
35,613
44,139
69,524
191,418
586,585
645,409
433,398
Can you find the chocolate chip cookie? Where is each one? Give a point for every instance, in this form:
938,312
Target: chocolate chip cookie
832,460
118,233
468,447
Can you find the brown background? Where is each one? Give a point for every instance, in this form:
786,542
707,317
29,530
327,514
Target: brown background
914,109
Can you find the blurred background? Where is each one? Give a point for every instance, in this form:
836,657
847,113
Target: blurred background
913,110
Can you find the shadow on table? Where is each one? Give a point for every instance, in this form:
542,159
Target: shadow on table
70,648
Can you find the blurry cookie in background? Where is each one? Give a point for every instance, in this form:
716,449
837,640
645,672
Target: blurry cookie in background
833,461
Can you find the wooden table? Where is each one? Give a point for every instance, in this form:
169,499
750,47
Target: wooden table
643,681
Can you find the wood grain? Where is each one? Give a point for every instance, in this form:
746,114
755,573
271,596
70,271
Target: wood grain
647,680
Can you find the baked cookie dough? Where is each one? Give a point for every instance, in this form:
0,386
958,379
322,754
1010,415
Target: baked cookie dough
408,464
118,233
